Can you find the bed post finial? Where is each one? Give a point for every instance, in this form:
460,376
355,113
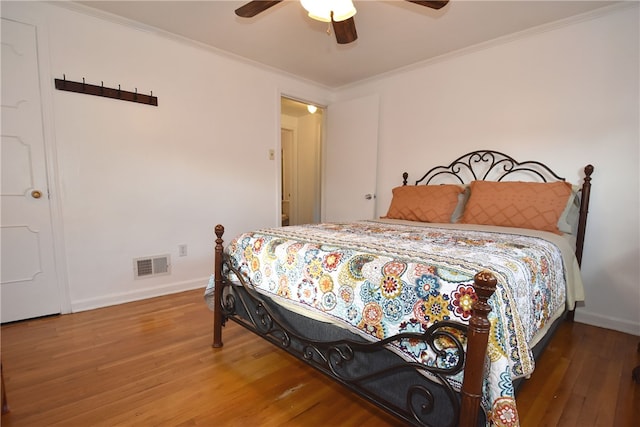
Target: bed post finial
217,294
477,339
584,211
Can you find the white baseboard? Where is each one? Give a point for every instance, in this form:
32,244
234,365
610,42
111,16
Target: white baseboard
139,294
607,322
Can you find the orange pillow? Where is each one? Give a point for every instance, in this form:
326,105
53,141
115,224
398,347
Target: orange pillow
426,203
532,205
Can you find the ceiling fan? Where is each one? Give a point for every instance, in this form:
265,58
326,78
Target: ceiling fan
338,12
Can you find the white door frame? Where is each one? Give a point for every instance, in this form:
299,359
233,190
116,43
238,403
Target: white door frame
294,213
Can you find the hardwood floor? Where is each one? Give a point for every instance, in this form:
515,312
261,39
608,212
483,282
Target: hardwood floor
150,363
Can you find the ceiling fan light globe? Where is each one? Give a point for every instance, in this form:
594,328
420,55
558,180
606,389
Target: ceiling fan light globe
320,10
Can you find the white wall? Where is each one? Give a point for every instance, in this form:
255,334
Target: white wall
136,180
567,96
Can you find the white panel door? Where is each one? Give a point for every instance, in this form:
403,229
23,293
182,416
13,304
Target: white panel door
351,157
28,281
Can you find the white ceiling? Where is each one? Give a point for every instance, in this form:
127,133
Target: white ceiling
391,34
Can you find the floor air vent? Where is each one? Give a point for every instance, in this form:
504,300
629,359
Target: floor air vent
150,267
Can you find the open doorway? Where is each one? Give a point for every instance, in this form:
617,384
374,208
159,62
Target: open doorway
301,145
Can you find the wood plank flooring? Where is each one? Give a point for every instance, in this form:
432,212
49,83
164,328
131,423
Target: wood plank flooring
150,363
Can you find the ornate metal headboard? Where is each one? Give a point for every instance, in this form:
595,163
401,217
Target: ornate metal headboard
486,165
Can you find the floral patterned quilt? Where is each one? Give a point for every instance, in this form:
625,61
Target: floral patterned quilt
382,278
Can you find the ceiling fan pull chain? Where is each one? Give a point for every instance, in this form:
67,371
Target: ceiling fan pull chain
329,24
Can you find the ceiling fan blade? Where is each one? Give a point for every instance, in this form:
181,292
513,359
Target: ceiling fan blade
253,8
345,31
432,4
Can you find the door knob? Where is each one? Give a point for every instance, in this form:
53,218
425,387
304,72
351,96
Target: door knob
369,196
36,194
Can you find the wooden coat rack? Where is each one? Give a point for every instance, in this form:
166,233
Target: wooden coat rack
107,92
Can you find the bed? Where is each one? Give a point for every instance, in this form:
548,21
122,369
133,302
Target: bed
434,312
